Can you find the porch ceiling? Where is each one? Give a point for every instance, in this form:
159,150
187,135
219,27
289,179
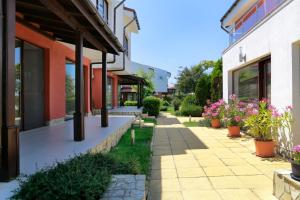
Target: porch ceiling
60,19
131,80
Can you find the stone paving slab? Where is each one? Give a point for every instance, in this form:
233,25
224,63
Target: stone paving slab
203,163
126,187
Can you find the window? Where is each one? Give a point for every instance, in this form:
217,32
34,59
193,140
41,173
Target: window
102,7
253,82
126,45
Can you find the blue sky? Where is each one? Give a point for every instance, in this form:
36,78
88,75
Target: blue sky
178,33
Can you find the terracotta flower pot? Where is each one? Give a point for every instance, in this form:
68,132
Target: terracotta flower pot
295,170
215,123
264,149
234,131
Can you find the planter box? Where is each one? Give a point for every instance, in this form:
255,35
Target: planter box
284,187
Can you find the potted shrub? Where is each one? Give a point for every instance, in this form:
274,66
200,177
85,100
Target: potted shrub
234,113
214,113
263,122
295,163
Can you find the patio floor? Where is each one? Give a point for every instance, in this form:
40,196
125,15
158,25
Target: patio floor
203,163
44,146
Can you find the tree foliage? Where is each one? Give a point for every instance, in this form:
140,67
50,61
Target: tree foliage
148,89
203,89
187,78
217,81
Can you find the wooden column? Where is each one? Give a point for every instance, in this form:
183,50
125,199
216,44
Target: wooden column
139,95
9,132
79,90
104,113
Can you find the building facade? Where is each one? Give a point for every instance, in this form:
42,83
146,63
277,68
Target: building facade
59,60
262,60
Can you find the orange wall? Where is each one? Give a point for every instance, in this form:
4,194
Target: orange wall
56,55
97,88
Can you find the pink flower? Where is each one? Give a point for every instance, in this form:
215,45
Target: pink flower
296,149
237,118
254,112
233,97
221,102
289,108
215,114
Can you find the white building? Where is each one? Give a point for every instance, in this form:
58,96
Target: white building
263,57
160,76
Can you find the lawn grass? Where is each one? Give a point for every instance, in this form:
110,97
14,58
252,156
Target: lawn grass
88,175
150,120
191,124
139,153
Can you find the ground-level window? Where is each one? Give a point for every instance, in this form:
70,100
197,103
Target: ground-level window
253,82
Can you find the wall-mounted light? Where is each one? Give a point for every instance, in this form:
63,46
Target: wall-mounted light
242,55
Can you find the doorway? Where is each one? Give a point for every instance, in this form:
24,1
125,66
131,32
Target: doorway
29,89
70,89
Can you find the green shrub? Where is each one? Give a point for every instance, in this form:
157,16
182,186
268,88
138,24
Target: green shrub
168,99
202,91
151,105
193,110
83,177
176,104
70,105
164,108
165,103
130,103
189,100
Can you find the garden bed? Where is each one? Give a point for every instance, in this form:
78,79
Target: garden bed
88,176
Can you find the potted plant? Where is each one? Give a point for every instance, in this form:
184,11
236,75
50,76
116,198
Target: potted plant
263,122
214,113
234,113
295,163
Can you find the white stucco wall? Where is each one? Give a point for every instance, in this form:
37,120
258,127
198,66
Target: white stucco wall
160,78
277,36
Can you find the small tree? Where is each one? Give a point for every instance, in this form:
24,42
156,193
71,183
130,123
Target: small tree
202,90
217,81
148,89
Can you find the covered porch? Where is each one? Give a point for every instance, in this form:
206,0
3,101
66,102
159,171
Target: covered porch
43,147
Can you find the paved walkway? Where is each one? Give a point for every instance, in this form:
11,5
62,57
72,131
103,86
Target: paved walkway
203,163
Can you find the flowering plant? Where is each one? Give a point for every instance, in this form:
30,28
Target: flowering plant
214,111
296,154
234,112
263,121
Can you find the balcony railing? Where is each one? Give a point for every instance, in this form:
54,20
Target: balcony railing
253,16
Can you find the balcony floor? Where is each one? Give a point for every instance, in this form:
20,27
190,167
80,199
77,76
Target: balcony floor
44,146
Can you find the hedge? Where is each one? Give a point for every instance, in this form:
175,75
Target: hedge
130,103
151,105
193,110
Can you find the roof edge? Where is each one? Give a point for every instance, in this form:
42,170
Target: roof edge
135,15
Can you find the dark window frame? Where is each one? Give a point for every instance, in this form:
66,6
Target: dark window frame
262,76
103,4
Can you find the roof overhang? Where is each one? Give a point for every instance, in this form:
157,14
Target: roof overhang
236,11
129,16
131,80
61,19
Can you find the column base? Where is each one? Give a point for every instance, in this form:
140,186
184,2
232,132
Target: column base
79,127
10,155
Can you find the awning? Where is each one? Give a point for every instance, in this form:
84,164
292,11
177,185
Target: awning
59,19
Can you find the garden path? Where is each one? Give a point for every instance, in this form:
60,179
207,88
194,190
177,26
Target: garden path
203,163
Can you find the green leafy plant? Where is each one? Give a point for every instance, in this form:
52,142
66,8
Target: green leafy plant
202,90
151,105
263,121
191,110
234,112
130,103
176,104
190,99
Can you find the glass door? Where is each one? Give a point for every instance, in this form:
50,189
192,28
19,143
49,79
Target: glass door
109,93
70,89
18,82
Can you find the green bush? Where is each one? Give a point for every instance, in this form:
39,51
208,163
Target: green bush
193,110
168,99
83,177
189,100
70,105
165,103
164,108
130,103
202,91
176,104
151,105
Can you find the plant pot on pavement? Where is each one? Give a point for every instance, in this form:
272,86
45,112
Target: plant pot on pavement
215,123
264,149
295,170
234,131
